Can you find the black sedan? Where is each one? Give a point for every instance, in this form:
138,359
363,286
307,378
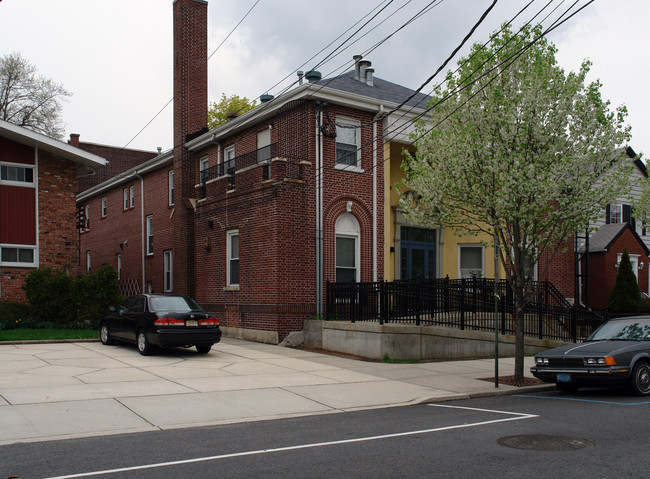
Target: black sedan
150,320
616,354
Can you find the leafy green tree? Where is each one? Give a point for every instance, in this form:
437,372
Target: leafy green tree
28,99
625,295
518,150
218,111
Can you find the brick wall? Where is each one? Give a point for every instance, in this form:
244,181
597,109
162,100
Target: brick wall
57,233
603,272
120,232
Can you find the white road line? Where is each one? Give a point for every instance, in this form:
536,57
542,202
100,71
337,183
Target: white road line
482,410
517,416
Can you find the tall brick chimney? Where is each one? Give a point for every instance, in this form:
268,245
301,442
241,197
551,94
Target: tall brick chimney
190,116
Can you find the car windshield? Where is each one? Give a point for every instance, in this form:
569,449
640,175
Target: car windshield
173,303
634,329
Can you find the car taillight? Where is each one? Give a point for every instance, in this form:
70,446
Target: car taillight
209,322
169,322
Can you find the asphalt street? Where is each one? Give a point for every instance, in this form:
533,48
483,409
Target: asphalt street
590,434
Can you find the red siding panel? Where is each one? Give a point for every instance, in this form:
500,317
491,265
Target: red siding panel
16,152
17,215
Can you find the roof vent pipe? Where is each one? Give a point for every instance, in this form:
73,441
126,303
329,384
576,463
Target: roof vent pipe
357,59
159,150
313,76
363,66
369,72
300,75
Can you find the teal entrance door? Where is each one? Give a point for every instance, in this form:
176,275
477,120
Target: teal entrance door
418,253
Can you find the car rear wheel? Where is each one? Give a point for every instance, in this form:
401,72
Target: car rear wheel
203,348
640,379
143,344
105,335
566,387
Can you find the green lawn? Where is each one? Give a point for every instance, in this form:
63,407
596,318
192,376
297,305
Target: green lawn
24,334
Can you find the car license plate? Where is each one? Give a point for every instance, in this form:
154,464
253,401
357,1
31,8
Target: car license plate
191,322
563,378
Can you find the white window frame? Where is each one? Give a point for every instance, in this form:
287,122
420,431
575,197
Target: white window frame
474,246
149,221
17,264
230,258
347,227
228,156
204,164
28,184
104,209
87,217
618,214
125,193
132,196
88,260
356,127
168,271
170,187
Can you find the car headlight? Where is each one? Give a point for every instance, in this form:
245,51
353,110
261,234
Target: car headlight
541,361
606,361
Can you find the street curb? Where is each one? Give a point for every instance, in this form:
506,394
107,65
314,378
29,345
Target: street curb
51,341
494,393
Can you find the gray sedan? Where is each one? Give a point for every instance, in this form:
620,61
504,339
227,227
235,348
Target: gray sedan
616,354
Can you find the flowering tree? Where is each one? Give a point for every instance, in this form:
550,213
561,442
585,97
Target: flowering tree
28,99
519,151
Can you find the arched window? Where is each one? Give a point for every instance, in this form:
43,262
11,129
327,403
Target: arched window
347,248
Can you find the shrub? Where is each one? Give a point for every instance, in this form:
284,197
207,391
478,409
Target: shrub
625,296
57,298
50,293
12,315
95,293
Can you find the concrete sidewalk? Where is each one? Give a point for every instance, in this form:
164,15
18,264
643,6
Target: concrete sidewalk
64,390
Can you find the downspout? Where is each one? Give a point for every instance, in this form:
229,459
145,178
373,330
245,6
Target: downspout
374,191
142,229
319,217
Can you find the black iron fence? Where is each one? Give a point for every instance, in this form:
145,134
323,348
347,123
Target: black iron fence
460,303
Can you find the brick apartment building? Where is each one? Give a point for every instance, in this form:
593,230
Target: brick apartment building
38,224
254,217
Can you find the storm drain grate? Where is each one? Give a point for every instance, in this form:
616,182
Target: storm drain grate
544,442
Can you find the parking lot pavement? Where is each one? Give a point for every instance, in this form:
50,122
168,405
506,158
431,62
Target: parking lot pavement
63,390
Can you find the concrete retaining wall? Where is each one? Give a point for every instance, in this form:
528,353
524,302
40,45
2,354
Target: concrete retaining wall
405,342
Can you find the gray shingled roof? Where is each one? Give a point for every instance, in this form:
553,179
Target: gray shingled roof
601,240
381,89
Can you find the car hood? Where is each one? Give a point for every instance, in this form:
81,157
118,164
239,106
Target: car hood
592,348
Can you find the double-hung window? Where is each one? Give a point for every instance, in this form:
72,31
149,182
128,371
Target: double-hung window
132,196
171,188
87,218
104,207
615,213
232,258
150,234
167,266
125,193
347,248
229,160
204,164
470,261
348,151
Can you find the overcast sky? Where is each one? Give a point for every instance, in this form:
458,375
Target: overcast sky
115,56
